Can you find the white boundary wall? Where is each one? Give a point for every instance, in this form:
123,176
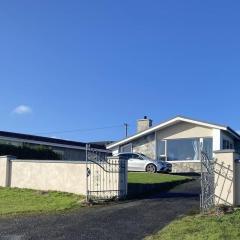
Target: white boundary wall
64,176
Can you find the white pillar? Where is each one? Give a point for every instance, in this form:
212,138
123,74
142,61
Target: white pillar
5,170
224,177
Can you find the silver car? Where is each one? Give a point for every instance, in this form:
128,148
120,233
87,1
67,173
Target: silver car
140,163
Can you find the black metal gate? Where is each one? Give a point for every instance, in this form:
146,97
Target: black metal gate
106,176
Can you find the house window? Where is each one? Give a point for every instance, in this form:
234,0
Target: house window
126,148
162,147
183,149
207,147
226,144
187,149
161,150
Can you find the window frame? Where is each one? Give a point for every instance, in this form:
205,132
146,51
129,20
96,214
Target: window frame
165,156
179,139
162,156
125,146
227,144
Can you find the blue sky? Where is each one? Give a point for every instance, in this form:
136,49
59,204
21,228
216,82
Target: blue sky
67,65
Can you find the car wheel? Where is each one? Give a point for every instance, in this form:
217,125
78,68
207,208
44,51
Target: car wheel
151,168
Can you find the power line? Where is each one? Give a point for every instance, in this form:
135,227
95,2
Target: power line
81,130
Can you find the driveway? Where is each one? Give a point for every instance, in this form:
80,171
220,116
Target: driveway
127,220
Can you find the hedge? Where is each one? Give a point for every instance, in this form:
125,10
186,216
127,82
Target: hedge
25,152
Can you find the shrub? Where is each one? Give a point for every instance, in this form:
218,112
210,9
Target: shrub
25,152
222,209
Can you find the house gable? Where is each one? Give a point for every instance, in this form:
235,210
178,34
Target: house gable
184,130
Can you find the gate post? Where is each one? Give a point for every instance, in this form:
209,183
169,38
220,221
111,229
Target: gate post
224,171
5,170
237,182
87,172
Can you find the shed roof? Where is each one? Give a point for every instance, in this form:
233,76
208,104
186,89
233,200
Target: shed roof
48,140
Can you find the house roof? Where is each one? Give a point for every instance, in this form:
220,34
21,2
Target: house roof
48,140
171,122
102,143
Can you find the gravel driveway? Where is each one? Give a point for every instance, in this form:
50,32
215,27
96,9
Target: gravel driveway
127,220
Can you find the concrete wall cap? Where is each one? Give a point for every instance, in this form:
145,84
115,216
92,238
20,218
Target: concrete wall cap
48,161
226,151
8,156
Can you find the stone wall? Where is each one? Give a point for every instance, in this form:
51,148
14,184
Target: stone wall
145,145
185,167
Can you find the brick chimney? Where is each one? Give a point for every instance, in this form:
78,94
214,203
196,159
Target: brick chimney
143,124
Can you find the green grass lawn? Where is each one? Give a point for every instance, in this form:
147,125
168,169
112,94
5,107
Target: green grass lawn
141,184
19,201
151,178
202,227
15,201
